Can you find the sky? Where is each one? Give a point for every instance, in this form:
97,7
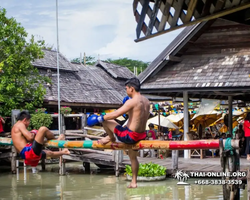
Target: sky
104,28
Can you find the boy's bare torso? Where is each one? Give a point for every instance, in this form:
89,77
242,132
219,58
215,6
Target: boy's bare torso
139,114
18,139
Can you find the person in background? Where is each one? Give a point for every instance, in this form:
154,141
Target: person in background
151,132
170,135
1,124
247,134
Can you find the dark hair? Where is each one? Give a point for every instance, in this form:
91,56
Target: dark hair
151,125
135,83
23,115
248,116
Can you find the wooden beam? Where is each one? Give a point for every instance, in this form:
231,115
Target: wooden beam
219,5
174,58
178,10
153,17
165,8
206,8
202,19
145,6
190,10
135,4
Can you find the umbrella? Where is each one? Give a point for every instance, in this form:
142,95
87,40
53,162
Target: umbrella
205,120
224,128
163,122
177,119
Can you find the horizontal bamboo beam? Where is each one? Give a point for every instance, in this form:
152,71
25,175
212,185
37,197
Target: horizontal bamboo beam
144,144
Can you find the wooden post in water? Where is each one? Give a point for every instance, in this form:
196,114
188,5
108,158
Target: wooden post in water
175,155
225,168
118,157
230,164
248,184
14,114
62,167
13,159
43,164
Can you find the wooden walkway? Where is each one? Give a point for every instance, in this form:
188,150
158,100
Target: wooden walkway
207,164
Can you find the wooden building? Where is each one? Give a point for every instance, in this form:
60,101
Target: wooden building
209,60
83,87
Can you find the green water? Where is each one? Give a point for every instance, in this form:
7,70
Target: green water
95,186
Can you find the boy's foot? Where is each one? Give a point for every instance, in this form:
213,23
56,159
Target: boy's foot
104,140
61,137
132,185
65,152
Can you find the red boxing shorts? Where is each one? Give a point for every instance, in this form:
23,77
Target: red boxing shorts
30,157
124,134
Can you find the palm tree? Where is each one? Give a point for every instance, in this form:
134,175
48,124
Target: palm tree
178,175
185,177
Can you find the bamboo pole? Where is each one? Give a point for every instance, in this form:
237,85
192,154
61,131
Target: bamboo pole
144,144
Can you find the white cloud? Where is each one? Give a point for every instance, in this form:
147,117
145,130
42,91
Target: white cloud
101,27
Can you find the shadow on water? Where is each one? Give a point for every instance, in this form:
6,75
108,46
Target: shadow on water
96,185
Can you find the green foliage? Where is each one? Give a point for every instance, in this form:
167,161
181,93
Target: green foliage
89,60
21,86
130,64
147,170
65,110
40,118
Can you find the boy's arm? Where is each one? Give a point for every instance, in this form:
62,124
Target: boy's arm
28,135
122,110
2,120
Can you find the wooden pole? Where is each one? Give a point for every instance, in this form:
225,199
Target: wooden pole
248,184
62,167
175,159
13,160
230,114
118,157
186,122
143,144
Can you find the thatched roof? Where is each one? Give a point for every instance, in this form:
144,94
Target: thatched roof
101,85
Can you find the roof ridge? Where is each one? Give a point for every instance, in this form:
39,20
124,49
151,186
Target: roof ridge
115,93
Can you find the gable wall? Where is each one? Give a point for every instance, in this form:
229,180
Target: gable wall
222,36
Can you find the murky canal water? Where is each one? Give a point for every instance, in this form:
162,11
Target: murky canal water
95,186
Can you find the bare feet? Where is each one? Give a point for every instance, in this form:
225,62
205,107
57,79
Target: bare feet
104,140
132,185
61,137
65,152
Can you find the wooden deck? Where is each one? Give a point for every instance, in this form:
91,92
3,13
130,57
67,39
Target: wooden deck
207,164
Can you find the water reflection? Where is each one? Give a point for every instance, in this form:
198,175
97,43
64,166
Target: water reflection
46,185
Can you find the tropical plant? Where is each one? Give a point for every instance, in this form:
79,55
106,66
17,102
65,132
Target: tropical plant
21,86
40,118
129,63
89,60
147,170
65,110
